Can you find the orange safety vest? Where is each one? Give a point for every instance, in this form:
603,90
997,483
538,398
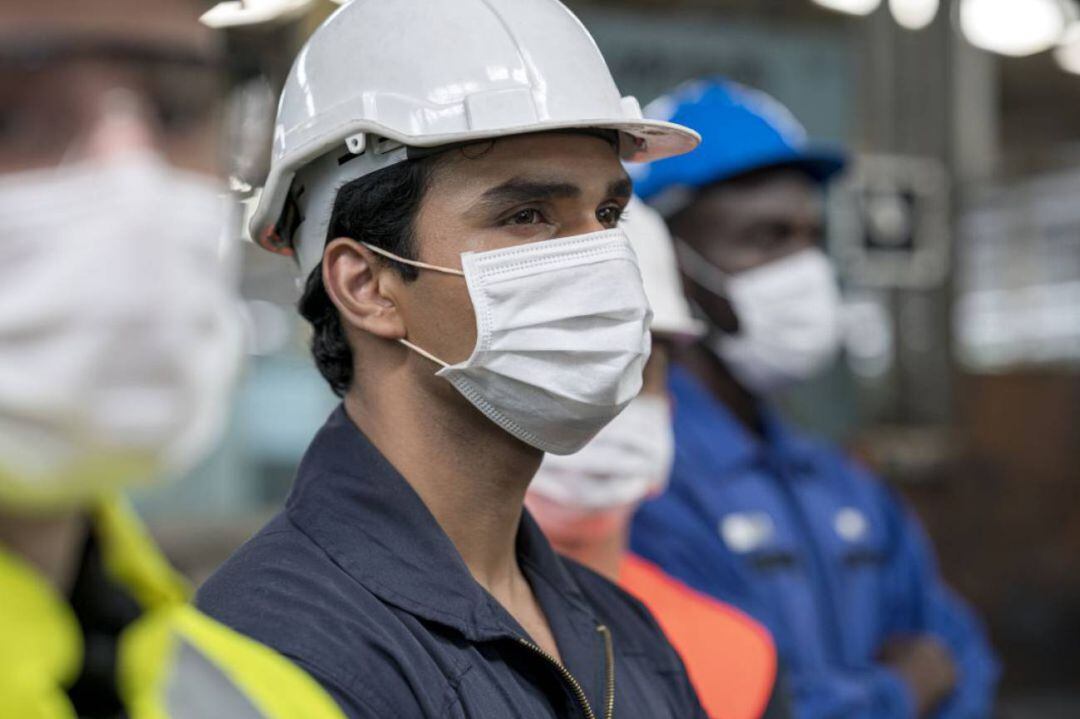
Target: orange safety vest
731,659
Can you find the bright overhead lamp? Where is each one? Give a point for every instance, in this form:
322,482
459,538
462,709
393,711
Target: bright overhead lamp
851,7
914,14
1067,53
1013,27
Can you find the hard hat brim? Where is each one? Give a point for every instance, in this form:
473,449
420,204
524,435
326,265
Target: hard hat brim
653,140
820,164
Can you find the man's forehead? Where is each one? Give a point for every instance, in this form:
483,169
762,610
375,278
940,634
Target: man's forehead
788,188
175,22
549,158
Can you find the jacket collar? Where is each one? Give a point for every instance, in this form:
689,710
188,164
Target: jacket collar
706,427
352,502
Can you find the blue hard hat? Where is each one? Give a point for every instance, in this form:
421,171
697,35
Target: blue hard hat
742,130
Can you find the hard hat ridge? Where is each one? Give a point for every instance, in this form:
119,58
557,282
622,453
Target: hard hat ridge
377,76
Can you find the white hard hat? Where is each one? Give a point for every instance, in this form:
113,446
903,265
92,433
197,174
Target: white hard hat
380,76
653,246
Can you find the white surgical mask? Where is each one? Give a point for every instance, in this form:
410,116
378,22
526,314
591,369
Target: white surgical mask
561,336
119,327
788,312
628,461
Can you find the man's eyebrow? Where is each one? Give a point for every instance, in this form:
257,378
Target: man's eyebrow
63,45
622,188
519,190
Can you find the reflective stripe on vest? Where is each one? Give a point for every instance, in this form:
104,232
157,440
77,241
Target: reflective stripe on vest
180,664
174,662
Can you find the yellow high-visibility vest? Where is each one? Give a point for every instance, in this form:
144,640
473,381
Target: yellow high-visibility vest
174,662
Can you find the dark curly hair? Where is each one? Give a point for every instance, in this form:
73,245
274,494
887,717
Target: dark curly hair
379,209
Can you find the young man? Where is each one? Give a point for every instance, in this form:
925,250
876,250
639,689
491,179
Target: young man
448,174
584,503
120,335
758,514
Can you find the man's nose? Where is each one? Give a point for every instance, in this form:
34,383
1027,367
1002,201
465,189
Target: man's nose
122,125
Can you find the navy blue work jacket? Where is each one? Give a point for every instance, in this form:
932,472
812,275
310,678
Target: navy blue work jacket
356,582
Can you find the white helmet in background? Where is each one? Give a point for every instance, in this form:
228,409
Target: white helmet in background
655,250
380,79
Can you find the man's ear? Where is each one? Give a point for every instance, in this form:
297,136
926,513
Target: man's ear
361,287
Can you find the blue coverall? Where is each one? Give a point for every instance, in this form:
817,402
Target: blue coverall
816,548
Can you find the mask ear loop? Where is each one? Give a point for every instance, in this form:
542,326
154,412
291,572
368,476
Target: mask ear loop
424,266
423,353
413,263
709,277
701,270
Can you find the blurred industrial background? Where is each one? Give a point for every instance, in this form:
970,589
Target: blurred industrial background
958,232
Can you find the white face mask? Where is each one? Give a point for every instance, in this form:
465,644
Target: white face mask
119,326
628,461
788,312
562,336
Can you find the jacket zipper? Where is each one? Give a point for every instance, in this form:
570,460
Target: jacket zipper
609,670
579,693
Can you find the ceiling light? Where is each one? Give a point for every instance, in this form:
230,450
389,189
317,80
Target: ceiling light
1067,53
913,14
1013,27
851,7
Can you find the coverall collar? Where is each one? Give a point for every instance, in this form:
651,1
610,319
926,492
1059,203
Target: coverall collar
732,445
352,502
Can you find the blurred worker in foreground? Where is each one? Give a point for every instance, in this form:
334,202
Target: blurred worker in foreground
758,514
455,213
584,503
119,342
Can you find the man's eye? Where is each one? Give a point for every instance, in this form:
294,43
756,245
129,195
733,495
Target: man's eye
609,216
530,216
18,124
771,236
183,98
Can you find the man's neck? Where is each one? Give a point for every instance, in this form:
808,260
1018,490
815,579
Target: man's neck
603,555
715,375
51,544
470,473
